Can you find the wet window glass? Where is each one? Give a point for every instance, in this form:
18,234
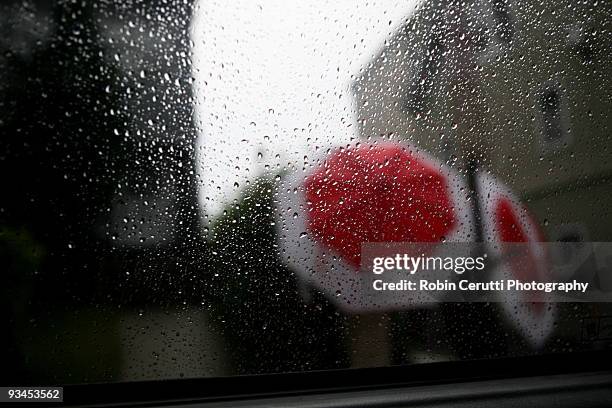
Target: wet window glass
203,189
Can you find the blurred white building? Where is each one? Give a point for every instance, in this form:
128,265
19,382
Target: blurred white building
522,87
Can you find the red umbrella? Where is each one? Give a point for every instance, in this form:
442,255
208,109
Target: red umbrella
513,235
510,229
377,193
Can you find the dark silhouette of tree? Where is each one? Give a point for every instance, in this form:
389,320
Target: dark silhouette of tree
61,130
266,323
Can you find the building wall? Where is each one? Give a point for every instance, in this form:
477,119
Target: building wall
486,85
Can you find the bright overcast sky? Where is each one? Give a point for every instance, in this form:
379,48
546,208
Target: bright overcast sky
273,78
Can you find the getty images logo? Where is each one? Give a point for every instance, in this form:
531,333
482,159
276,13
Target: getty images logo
412,264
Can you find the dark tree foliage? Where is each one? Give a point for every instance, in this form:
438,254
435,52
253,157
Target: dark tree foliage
58,137
258,302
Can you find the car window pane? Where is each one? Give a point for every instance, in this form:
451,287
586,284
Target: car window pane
190,187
